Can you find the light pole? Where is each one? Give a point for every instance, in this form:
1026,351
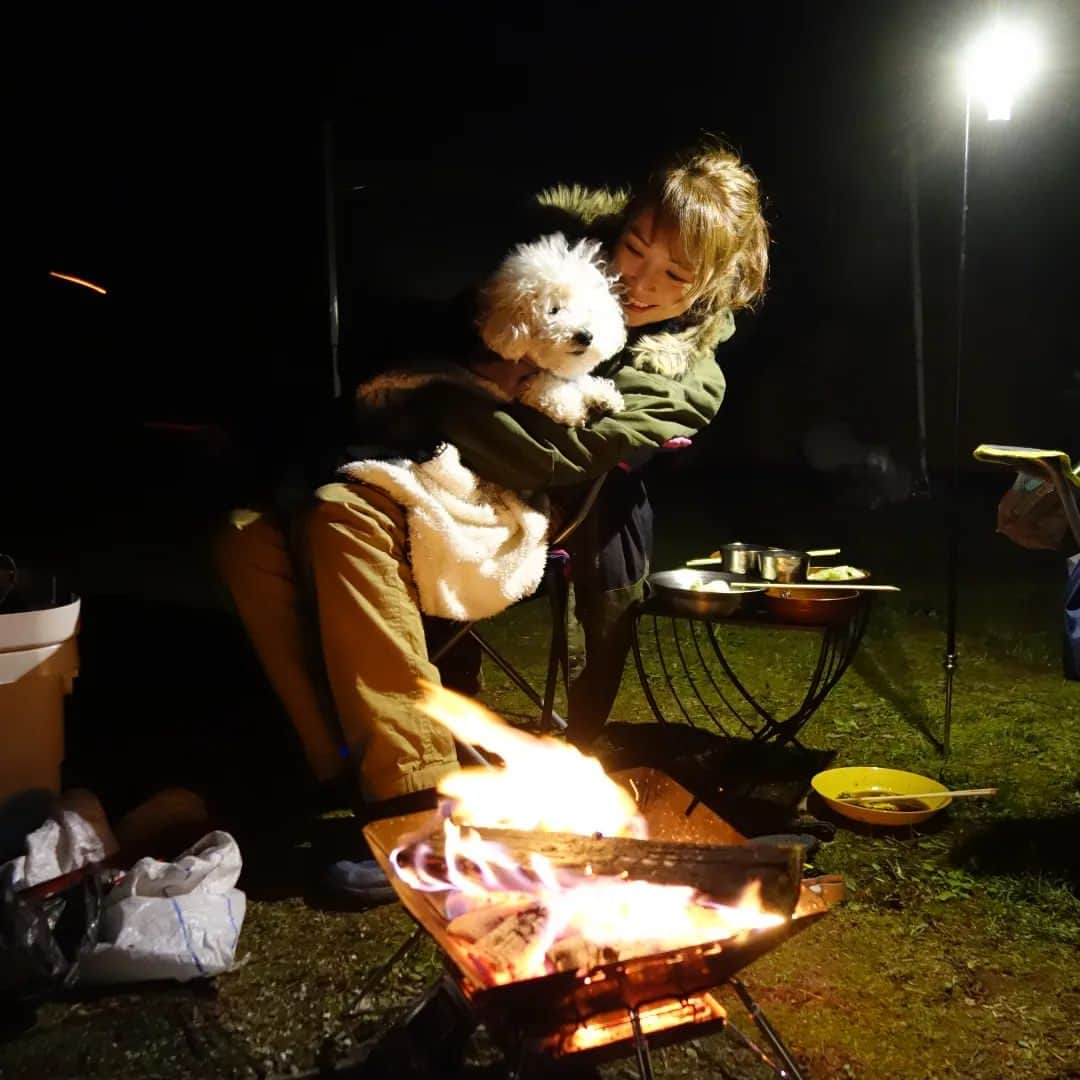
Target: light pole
997,66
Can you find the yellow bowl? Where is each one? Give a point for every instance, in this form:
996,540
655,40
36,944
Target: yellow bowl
870,780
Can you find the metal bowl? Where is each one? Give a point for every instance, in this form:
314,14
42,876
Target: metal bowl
683,592
812,607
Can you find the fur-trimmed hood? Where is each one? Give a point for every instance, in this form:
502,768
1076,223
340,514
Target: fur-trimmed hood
669,350
673,352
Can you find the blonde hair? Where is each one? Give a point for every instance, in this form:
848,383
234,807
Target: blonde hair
714,202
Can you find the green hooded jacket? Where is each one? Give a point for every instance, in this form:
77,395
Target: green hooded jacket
668,377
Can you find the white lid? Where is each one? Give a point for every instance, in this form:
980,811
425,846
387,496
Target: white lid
44,626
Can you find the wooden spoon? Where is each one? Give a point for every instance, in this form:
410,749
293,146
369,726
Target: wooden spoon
967,793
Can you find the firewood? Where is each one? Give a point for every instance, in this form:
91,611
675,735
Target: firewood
475,924
721,873
575,954
578,954
508,946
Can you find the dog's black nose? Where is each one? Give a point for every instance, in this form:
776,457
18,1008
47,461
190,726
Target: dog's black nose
583,337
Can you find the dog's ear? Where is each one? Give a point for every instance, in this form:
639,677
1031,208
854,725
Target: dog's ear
503,322
505,335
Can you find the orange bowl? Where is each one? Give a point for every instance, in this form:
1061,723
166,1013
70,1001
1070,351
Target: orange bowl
812,607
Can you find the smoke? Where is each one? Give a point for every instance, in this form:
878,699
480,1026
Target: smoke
869,474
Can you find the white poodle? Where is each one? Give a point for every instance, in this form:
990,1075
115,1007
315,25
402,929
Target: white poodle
475,548
554,306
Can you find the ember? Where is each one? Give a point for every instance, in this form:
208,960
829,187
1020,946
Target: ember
617,1027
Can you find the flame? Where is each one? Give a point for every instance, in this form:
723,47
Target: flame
599,916
554,918
544,785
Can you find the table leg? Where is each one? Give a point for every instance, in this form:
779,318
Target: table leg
838,647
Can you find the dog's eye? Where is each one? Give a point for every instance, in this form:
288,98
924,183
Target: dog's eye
554,309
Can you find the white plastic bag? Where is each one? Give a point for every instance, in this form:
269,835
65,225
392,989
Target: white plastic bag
77,833
178,920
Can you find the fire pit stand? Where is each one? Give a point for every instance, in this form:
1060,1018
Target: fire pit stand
573,1019
433,1036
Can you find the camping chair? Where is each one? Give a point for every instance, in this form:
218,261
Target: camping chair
557,588
1053,466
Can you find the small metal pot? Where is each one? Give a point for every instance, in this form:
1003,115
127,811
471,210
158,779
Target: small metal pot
741,558
783,564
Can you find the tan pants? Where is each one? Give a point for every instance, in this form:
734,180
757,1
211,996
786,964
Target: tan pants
344,572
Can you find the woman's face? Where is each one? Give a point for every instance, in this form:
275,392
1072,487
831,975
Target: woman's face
655,270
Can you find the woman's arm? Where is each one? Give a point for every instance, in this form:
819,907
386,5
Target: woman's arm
523,450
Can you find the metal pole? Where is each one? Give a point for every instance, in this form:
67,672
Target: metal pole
923,484
330,209
641,1047
952,567
789,1070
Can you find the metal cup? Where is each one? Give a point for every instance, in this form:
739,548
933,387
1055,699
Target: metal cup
783,564
740,558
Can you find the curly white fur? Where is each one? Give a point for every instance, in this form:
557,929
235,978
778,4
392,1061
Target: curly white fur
474,547
555,306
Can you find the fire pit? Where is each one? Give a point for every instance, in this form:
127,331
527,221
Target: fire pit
531,919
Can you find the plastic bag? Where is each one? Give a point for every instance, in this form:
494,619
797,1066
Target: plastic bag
66,842
50,896
41,937
178,920
1030,514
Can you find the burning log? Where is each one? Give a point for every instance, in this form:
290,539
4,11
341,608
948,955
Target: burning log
577,954
513,946
721,873
475,924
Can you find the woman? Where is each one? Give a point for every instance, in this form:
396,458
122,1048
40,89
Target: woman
691,246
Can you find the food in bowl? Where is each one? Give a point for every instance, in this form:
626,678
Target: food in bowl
902,805
701,585
836,573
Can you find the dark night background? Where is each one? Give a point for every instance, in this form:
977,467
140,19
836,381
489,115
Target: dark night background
180,164
178,158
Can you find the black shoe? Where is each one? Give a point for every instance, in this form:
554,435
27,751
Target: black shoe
362,881
808,843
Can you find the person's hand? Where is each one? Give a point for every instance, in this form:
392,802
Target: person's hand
680,442
509,376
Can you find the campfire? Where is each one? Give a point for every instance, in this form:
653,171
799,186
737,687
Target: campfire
580,910
515,912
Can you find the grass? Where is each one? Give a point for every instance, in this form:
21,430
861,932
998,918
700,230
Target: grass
954,955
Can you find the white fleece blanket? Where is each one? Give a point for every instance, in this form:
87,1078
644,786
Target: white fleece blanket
475,548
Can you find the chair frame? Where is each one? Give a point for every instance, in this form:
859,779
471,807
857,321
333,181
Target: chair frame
1051,465
556,586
